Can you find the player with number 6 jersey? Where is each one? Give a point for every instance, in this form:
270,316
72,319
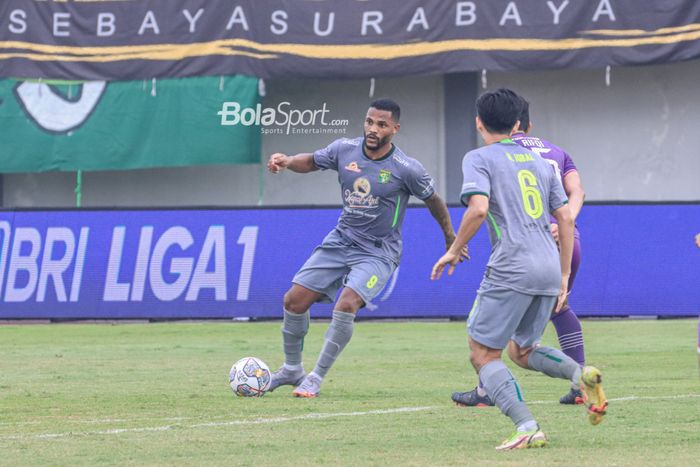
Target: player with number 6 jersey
524,256
513,190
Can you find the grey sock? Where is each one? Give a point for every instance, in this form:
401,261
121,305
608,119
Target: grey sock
337,337
504,391
294,328
554,363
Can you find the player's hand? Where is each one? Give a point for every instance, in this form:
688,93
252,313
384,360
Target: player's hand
697,240
554,228
278,162
447,258
463,254
563,294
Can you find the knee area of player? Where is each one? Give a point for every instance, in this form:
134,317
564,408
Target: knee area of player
294,302
519,355
349,302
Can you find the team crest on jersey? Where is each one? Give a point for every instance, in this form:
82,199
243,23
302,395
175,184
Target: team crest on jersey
353,167
384,176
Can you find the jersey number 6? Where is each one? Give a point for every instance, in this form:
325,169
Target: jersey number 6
532,199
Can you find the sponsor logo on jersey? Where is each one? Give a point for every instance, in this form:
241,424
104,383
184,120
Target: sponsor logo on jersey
384,176
401,160
352,167
360,196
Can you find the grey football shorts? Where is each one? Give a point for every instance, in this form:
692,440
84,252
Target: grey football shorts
500,314
337,263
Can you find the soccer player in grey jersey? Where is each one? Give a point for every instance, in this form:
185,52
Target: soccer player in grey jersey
526,277
361,253
566,323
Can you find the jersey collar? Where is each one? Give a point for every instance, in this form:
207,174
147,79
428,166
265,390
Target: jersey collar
383,158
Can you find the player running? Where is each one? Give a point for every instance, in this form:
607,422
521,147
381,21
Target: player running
526,277
361,253
566,323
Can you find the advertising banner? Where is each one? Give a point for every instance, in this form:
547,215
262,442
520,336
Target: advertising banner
198,264
142,39
124,125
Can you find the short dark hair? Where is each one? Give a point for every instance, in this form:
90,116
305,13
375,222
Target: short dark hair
499,110
524,115
388,105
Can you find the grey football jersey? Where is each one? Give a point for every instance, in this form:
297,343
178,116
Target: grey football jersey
522,189
375,193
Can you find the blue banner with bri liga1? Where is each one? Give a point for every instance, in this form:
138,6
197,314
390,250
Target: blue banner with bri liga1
238,263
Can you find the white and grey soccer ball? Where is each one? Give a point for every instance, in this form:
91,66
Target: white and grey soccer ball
249,377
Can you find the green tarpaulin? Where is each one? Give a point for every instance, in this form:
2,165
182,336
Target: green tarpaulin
101,125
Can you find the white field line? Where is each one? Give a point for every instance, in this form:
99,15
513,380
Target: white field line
257,421
274,420
630,398
99,421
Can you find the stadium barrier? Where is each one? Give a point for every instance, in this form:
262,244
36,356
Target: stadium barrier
638,260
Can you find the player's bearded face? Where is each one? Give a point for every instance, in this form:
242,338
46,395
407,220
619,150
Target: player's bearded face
372,142
379,128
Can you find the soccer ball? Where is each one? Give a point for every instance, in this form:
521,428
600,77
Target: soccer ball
249,377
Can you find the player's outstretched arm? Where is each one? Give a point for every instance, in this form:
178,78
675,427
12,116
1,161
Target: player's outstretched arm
301,163
565,220
574,191
438,209
471,221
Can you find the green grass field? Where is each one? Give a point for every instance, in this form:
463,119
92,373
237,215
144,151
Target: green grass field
157,394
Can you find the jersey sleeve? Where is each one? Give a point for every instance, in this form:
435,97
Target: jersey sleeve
476,180
569,165
327,158
419,182
557,195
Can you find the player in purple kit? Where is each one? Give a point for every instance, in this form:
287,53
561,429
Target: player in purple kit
361,253
566,323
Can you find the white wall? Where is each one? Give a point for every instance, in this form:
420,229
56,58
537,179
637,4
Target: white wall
245,185
420,136
632,141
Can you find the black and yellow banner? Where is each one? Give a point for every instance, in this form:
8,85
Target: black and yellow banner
142,39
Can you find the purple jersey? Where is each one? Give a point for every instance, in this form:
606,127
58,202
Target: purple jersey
560,160
556,156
